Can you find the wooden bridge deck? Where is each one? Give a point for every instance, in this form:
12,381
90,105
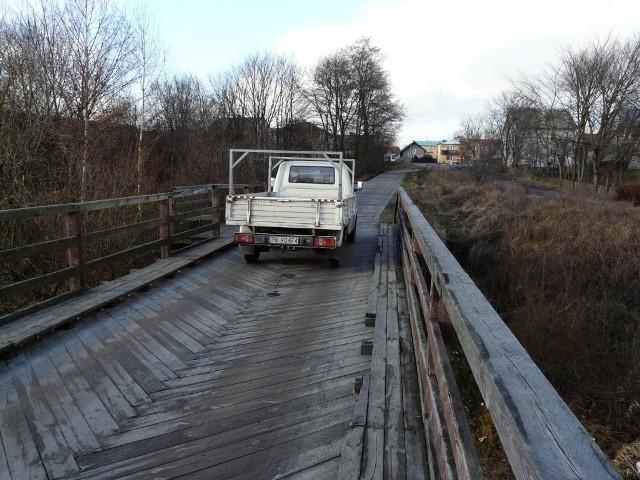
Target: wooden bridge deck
228,370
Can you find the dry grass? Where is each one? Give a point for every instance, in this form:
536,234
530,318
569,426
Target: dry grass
564,272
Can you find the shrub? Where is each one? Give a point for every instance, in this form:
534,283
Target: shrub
563,272
628,192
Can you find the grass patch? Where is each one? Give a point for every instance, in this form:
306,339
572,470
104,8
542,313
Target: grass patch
389,213
563,271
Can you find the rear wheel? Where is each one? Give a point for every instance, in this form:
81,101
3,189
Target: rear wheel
336,260
252,258
351,237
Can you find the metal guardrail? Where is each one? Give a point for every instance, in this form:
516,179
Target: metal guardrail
541,436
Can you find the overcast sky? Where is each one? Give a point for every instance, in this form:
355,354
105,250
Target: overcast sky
446,59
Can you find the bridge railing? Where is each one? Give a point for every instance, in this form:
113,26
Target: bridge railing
540,435
50,252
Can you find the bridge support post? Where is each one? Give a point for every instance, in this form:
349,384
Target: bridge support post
165,228
73,229
216,215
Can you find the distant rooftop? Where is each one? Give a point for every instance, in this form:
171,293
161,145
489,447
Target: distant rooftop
427,143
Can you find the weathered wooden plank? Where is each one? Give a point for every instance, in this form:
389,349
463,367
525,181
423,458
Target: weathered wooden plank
108,359
239,403
92,408
440,460
351,456
316,431
180,337
394,451
307,325
414,432
461,442
57,458
153,361
149,342
31,284
127,362
207,448
376,412
39,323
251,418
18,253
22,459
275,362
548,441
375,284
236,422
253,380
4,393
30,212
99,380
291,458
373,454
257,353
325,470
77,432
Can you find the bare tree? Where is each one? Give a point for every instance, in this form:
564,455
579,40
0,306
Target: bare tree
188,145
266,87
578,93
474,135
331,96
150,56
100,64
597,84
29,103
379,114
617,83
350,96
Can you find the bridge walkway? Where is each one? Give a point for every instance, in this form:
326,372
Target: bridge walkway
227,370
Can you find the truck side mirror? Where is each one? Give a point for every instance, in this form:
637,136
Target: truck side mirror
358,186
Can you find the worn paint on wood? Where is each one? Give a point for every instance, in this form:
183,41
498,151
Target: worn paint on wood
207,375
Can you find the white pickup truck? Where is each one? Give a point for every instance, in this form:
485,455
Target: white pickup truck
309,204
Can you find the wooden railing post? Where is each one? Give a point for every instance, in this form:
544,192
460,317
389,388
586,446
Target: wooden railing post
433,317
73,228
165,228
215,215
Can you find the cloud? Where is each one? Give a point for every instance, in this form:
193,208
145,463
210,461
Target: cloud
447,59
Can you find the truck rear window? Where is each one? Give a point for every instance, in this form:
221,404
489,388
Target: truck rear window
311,174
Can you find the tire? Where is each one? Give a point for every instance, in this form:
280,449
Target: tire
334,262
252,258
351,237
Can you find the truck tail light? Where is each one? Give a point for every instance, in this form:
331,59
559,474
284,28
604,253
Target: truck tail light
242,238
326,242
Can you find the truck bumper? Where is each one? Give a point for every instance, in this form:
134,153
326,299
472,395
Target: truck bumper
263,242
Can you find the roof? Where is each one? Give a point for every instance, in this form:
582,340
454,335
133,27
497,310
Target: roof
549,118
427,143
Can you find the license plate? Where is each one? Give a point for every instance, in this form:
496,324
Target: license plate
277,240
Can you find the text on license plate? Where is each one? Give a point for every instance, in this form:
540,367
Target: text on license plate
278,240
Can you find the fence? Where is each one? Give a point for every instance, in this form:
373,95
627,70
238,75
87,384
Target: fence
541,436
50,252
